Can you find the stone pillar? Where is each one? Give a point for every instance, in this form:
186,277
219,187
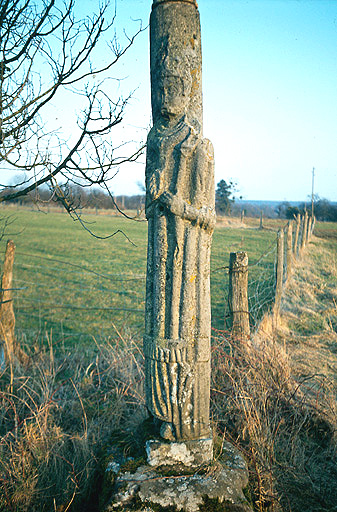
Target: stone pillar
261,220
181,217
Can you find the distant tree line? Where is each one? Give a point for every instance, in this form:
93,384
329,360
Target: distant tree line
79,197
324,210
225,202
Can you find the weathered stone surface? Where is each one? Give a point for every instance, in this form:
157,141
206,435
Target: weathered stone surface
188,453
181,217
148,487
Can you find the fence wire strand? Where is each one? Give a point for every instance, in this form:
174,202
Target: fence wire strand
76,300
261,290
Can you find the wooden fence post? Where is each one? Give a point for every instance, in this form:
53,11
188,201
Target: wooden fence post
284,229
279,272
238,294
289,248
304,231
309,229
297,232
261,220
7,318
313,225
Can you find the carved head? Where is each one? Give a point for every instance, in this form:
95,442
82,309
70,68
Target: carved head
176,60
173,83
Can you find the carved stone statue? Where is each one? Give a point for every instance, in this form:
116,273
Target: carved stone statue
180,212
181,217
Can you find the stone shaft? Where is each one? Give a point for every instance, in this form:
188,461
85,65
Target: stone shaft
181,218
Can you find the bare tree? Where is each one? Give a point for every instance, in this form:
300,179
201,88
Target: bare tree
45,51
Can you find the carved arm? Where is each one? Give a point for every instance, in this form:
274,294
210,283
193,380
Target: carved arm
205,216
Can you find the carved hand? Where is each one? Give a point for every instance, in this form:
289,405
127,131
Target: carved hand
205,217
173,203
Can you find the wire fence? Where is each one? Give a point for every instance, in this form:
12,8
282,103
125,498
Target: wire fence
77,302
261,294
261,289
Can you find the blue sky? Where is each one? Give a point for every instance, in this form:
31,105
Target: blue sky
269,86
269,89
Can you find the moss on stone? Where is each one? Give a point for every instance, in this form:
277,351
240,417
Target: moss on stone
137,505
159,508
132,465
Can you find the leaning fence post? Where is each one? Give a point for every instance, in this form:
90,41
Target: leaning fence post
7,318
304,231
279,272
297,232
238,294
289,247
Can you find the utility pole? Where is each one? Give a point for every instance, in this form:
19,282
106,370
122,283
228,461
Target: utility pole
312,192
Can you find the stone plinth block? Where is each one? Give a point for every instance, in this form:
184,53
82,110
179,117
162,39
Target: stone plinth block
188,453
149,488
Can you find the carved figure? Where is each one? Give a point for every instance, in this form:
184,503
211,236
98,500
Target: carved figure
181,217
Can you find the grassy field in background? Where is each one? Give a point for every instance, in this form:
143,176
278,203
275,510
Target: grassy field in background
76,286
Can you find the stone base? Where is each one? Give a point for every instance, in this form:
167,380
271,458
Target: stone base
188,453
148,489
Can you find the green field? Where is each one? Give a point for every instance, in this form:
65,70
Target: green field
75,286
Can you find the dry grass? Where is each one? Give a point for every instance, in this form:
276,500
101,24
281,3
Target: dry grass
276,399
310,313
56,419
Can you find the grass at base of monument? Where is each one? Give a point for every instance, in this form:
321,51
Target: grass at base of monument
58,410
75,286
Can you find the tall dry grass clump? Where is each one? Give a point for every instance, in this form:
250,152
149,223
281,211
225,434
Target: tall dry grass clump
57,412
286,432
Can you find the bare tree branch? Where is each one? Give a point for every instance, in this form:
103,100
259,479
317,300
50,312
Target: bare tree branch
44,50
